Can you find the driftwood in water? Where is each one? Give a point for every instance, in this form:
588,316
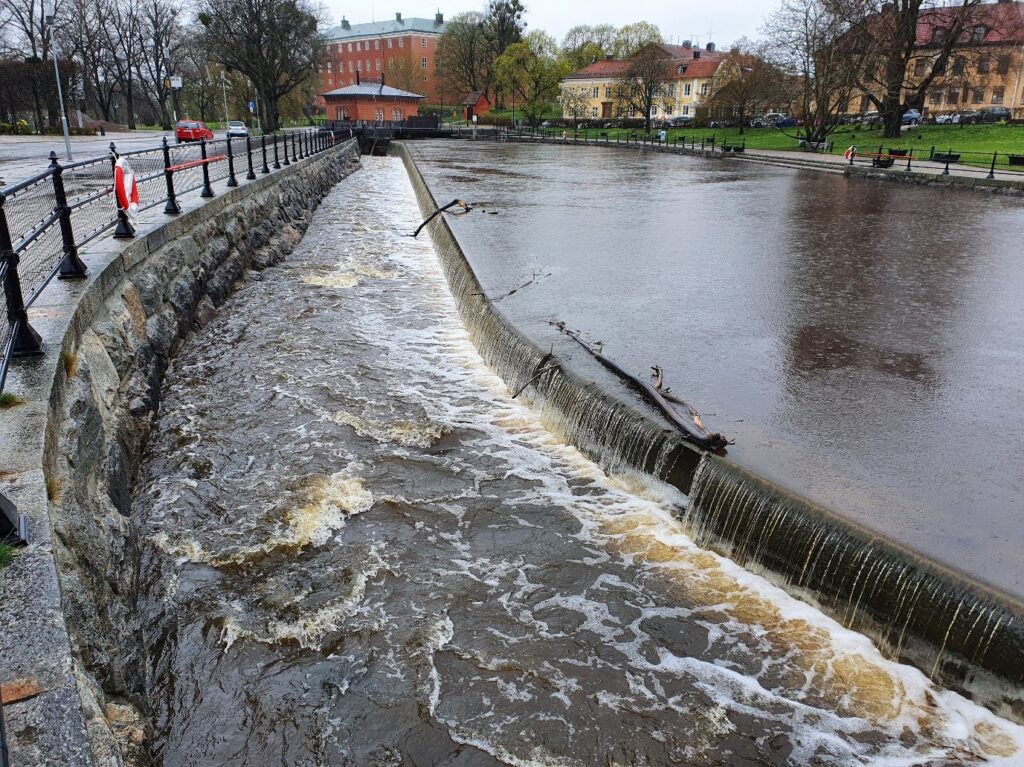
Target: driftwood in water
536,276
440,210
689,423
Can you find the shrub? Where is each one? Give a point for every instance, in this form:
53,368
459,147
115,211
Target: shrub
6,555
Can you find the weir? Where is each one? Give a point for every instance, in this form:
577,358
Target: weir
960,633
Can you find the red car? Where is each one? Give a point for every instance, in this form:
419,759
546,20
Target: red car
192,130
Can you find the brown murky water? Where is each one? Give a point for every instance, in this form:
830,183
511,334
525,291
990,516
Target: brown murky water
862,342
360,550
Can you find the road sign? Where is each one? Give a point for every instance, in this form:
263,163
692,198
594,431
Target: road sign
175,81
251,107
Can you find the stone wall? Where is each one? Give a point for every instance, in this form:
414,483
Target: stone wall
68,621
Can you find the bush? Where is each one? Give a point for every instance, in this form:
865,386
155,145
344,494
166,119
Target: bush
490,119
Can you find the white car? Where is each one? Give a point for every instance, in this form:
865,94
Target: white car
950,119
237,129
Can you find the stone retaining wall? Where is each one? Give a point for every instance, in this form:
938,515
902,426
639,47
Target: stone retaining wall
73,451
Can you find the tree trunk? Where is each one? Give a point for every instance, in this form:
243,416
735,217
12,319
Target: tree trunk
129,103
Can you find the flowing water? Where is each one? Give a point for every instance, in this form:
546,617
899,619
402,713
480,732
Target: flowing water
863,343
360,549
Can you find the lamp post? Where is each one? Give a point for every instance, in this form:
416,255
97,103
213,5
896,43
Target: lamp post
224,91
49,14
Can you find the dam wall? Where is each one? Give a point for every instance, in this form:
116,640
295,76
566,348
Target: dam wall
961,633
70,647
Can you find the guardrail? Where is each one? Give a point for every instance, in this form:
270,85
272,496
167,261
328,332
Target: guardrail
45,219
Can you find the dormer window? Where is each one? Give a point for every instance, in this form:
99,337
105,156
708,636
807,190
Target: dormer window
978,33
680,69
939,35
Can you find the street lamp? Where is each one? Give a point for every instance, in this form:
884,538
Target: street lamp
224,90
49,14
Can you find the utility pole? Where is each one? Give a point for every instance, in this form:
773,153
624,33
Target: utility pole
49,17
224,90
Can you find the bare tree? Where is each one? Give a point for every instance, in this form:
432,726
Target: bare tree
746,83
403,73
162,39
584,44
632,37
123,38
644,84
463,54
813,45
575,101
84,32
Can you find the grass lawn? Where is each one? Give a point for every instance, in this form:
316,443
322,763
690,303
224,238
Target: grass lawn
975,143
6,555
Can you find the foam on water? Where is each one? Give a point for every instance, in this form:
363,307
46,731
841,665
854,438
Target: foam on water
520,600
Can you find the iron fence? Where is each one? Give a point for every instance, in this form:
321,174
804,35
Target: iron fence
45,219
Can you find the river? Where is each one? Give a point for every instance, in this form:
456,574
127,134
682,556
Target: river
359,549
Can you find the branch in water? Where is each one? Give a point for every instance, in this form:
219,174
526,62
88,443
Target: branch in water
440,210
536,276
691,424
540,369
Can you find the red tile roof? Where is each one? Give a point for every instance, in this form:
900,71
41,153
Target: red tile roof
702,67
599,69
1004,22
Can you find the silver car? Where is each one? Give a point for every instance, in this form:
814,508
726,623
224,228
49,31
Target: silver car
236,128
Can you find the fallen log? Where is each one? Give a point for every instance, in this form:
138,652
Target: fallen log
465,208
689,424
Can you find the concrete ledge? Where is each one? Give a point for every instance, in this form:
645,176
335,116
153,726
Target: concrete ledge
71,452
966,183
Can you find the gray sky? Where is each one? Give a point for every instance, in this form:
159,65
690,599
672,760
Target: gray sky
727,20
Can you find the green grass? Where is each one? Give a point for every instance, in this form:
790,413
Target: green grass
9,400
975,143
6,555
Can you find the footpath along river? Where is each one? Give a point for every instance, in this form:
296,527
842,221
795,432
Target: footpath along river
359,549
862,342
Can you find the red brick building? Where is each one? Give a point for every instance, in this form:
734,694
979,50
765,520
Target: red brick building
475,103
373,101
402,51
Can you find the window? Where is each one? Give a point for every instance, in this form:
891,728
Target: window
632,111
593,111
607,91
1003,65
378,65
379,114
350,66
997,94
668,109
686,89
401,42
984,65
953,96
368,67
359,46
680,69
978,96
935,97
686,110
919,67
959,65
595,92
396,114
939,36
329,65
423,42
390,41
376,44
671,89
359,66
423,63
703,89
350,47
978,34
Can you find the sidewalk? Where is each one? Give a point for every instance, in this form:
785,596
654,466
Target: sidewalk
24,156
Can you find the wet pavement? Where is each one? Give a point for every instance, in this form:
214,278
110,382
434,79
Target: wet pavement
862,342
358,549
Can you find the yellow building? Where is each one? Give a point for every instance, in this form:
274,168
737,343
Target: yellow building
590,93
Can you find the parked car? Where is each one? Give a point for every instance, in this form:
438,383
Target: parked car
911,117
237,129
192,130
993,114
680,121
968,117
785,122
950,118
871,118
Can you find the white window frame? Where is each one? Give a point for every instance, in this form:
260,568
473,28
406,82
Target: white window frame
423,63
687,88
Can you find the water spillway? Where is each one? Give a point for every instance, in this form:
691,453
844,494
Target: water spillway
956,628
359,548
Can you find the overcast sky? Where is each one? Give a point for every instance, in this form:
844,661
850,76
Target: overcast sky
726,20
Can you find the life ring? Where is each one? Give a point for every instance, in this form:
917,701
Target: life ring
850,153
126,188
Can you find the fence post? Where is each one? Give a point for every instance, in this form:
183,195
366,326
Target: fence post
277,162
26,341
263,149
992,170
207,189
232,181
250,174
910,156
71,266
284,141
171,208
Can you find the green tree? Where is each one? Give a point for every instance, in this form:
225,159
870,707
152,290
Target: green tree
584,44
275,43
632,37
530,71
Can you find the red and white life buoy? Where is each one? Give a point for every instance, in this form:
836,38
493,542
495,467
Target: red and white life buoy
850,153
126,188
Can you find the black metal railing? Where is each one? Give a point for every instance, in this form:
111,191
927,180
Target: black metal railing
45,219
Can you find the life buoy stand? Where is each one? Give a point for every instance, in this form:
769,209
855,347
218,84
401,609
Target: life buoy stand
850,153
126,188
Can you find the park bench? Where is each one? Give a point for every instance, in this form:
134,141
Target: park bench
897,152
732,147
882,159
814,146
946,157
1017,159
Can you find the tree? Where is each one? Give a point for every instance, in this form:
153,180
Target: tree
403,73
644,84
531,71
632,37
583,44
895,73
462,54
84,31
275,43
123,40
161,41
812,45
745,84
575,101
503,26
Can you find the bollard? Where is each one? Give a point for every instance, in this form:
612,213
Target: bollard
277,162
945,171
250,174
284,142
232,181
263,149
910,156
171,208
207,189
26,341
992,170
71,267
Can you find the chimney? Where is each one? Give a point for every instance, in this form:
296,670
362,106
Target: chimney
710,47
398,17
687,43
438,19
345,23
696,53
